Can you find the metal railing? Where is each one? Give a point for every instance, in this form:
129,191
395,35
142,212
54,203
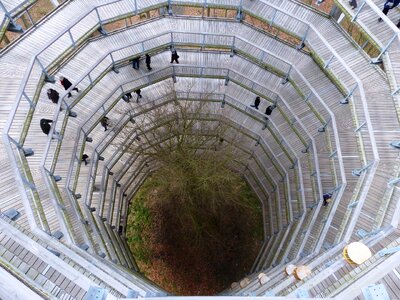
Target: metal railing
116,158
387,38
35,61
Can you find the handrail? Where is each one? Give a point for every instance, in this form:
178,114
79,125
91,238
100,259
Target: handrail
384,42
285,62
276,9
278,58
116,158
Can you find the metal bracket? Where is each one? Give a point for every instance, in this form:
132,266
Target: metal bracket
358,172
14,27
333,154
353,204
389,251
395,144
361,126
346,99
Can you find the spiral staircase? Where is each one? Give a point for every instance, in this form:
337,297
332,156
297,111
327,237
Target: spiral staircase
335,130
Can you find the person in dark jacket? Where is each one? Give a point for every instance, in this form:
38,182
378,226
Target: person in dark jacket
139,94
128,96
104,123
53,95
135,63
256,102
353,4
67,84
45,125
327,199
174,55
269,110
148,62
389,4
84,158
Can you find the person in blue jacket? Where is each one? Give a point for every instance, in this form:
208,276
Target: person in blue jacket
389,4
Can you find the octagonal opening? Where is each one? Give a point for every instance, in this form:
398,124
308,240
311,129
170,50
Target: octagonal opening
195,225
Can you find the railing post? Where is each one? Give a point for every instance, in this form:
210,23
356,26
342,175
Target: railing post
233,47
358,172
72,38
346,99
31,104
114,67
286,78
329,62
90,79
303,40
239,15
13,27
358,11
30,17
48,78
378,59
101,29
273,18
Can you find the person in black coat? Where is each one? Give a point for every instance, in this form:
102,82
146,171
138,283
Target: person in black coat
174,55
148,62
327,198
139,94
104,123
269,110
67,84
353,4
135,63
53,95
256,102
389,4
45,125
84,158
128,96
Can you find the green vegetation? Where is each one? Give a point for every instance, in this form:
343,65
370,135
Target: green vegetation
195,225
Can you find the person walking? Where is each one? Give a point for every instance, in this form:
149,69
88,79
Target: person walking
269,110
389,4
104,123
67,84
135,63
327,198
128,96
139,94
353,4
148,62
256,102
45,125
175,56
53,95
84,158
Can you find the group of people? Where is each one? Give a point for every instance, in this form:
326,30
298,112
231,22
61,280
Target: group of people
128,96
268,110
136,60
54,96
